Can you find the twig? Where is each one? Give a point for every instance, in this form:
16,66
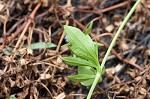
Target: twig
46,89
133,64
4,36
131,52
114,7
126,52
14,26
27,25
61,39
13,35
63,34
105,9
102,35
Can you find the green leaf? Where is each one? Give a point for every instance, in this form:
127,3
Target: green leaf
67,44
7,51
98,44
89,28
81,53
86,55
12,97
83,42
89,71
73,61
81,77
41,45
87,82
86,70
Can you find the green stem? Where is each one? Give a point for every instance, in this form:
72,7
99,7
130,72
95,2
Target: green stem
93,85
118,32
111,46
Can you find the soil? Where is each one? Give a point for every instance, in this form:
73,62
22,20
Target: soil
39,73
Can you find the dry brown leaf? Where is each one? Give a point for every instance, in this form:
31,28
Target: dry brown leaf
133,59
110,70
60,96
23,61
3,18
110,76
147,52
35,92
12,83
20,81
118,67
109,28
142,91
117,20
105,21
124,46
144,83
23,51
117,80
51,52
1,73
1,6
45,76
132,74
23,94
138,78
8,59
29,51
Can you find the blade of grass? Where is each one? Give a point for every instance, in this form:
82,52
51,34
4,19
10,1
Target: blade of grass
39,45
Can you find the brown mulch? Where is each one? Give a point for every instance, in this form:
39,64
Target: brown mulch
41,74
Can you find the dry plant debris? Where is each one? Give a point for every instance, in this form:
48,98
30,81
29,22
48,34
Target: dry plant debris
27,72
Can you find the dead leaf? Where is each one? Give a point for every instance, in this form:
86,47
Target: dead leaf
60,96
45,76
142,91
109,28
118,67
123,45
12,83
1,6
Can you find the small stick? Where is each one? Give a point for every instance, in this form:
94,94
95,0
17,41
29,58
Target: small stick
14,26
61,39
27,24
4,36
114,7
105,9
13,35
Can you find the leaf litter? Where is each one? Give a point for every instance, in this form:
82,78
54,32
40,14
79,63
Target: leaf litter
39,72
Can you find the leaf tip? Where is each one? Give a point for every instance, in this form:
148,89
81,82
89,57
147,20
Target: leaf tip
89,28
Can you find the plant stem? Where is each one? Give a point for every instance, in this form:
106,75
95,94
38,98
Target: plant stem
118,32
111,46
93,85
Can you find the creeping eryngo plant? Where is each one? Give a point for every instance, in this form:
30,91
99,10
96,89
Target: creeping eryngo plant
86,54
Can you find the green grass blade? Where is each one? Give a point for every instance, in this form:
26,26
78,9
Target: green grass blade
41,45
